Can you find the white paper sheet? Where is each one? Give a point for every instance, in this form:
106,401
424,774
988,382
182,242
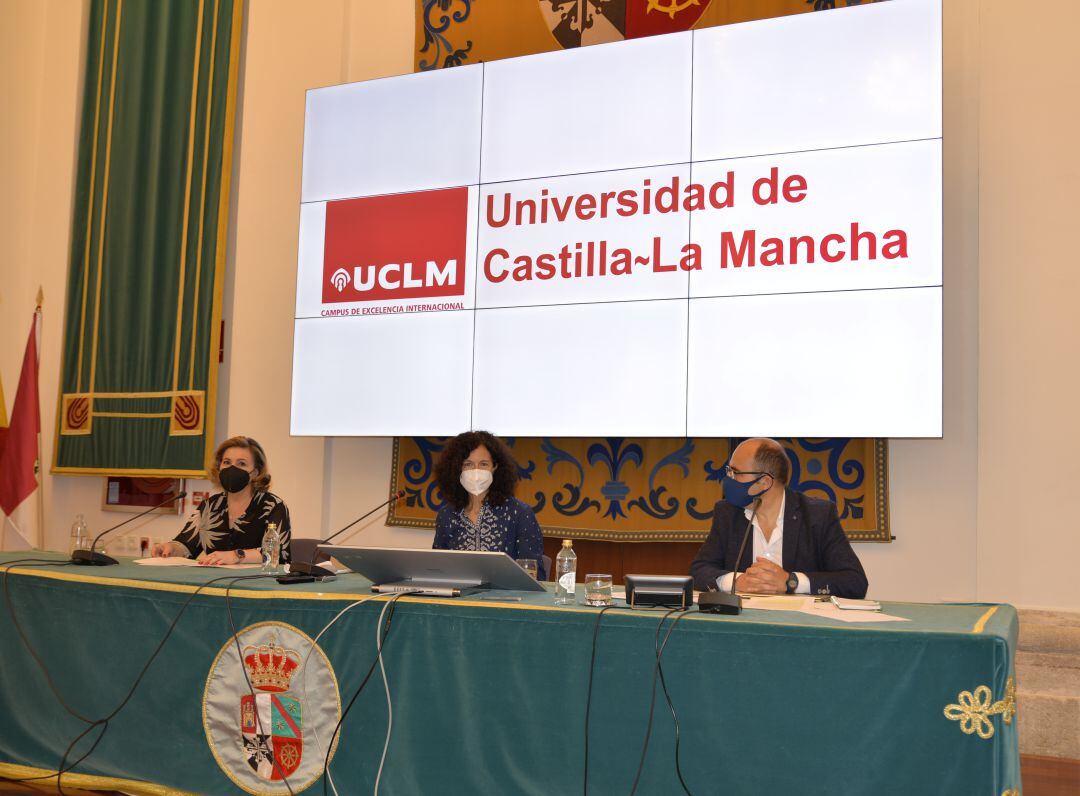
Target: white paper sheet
177,561
830,611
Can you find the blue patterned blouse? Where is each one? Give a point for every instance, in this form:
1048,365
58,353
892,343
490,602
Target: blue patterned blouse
509,527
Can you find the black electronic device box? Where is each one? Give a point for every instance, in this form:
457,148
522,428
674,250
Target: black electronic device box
651,591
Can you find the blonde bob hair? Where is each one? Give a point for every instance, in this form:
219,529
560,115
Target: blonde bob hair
260,482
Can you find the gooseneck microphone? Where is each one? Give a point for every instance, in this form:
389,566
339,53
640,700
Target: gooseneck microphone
92,558
308,571
720,602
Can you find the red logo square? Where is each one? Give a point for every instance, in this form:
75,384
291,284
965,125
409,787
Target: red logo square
399,246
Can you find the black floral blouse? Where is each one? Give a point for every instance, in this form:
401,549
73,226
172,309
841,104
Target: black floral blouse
208,528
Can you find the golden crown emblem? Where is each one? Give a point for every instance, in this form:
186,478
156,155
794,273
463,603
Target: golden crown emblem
270,667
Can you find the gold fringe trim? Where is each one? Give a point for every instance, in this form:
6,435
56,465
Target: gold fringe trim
90,781
151,473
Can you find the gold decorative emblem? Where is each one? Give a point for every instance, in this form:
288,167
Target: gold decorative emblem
672,7
974,709
290,758
270,667
186,416
75,414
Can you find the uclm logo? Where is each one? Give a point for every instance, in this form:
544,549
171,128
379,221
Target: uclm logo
401,246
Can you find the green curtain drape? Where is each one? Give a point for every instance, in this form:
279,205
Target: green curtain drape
142,325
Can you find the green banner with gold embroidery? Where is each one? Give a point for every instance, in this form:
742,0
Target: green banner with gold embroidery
651,490
143,316
454,32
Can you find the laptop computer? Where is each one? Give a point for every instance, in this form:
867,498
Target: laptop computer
442,573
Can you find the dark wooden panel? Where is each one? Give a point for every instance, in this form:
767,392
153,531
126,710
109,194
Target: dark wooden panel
618,558
1049,776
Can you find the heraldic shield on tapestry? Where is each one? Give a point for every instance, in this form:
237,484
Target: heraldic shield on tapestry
266,708
455,32
574,23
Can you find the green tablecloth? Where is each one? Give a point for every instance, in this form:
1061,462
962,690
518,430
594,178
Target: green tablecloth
489,697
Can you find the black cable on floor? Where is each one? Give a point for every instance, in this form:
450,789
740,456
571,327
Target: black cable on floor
671,707
588,692
652,699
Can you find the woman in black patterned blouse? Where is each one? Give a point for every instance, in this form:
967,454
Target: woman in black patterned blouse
228,527
477,475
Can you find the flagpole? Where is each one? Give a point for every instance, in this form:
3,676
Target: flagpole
40,461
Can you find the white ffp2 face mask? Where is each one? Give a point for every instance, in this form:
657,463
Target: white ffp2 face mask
476,482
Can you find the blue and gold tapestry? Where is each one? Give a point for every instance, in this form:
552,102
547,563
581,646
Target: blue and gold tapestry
624,489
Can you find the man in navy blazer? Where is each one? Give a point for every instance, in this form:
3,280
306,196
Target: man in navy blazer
796,546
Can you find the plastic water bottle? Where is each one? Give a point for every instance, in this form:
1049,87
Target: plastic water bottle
271,549
80,537
565,574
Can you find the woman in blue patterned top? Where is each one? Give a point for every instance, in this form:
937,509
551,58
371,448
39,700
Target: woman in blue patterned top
477,475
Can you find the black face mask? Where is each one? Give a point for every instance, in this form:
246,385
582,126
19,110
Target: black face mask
233,479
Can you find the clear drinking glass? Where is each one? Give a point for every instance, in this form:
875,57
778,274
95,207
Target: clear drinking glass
80,536
598,590
529,565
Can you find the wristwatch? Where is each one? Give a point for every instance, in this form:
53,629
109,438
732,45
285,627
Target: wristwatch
240,554
792,582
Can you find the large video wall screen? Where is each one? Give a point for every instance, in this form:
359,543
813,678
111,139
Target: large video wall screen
727,232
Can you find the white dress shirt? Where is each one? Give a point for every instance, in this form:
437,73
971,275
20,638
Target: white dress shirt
773,549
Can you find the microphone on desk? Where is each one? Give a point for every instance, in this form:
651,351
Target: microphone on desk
308,571
92,558
720,602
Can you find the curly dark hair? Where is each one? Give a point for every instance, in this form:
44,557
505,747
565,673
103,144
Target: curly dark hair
457,450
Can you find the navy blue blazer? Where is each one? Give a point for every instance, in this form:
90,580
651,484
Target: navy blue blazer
814,544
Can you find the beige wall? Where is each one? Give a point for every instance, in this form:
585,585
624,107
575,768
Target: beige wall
933,482
1029,326
1009,339
41,61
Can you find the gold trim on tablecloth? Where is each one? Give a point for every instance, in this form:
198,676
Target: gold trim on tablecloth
973,709
90,781
981,624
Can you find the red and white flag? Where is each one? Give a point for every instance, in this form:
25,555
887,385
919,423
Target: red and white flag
20,517
3,418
